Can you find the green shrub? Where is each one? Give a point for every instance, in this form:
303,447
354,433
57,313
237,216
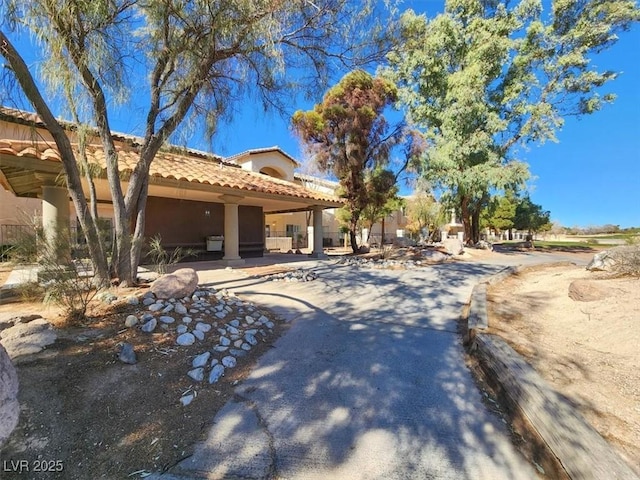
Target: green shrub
160,258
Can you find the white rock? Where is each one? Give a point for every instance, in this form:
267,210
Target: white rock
167,319
131,321
233,330
201,360
203,327
167,309
221,315
263,319
150,326
197,374
220,348
133,300
216,372
155,307
148,301
224,341
187,319
250,339
198,334
249,320
180,309
187,399
245,346
229,361
181,329
238,343
214,361
186,339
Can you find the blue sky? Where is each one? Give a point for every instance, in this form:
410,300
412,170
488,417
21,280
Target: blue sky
591,177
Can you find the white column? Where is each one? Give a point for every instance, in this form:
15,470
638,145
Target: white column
317,251
310,239
55,212
231,230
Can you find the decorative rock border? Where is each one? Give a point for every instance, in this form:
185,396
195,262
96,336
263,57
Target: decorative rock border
578,447
223,325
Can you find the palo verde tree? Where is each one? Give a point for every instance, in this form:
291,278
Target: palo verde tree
348,136
187,60
486,77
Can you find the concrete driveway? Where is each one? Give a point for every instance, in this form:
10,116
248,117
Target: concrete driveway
369,382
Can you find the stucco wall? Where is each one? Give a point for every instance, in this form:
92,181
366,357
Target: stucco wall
186,222
18,211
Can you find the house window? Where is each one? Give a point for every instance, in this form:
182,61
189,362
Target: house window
292,230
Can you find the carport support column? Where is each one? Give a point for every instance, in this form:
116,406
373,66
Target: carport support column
55,212
231,230
317,251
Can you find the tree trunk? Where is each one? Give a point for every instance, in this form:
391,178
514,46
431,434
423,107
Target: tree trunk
466,217
138,234
382,235
475,225
354,241
69,165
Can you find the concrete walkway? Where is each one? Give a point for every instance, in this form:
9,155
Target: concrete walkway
369,382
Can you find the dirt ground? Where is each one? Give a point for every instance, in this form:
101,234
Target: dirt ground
84,414
100,418
589,351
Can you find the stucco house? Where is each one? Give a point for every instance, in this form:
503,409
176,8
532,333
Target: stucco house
192,195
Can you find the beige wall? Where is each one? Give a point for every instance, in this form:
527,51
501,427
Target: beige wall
18,211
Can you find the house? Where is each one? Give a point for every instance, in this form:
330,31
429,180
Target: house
192,195
287,230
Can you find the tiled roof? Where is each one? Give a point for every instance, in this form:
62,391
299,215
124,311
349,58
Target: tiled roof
190,166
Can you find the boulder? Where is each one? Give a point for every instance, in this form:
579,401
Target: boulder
28,338
587,291
622,260
181,283
434,256
453,246
9,407
484,245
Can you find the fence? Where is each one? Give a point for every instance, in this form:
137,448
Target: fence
11,235
286,240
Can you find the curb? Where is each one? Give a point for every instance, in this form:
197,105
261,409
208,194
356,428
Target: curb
565,434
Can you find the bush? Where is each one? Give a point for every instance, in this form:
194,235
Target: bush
68,283
160,258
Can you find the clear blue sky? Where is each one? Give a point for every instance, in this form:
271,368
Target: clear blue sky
591,177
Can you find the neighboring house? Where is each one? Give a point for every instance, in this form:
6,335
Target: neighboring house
192,195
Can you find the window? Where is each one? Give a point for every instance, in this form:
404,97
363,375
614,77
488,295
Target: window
292,230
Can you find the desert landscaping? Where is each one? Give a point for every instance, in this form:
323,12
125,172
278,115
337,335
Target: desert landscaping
580,331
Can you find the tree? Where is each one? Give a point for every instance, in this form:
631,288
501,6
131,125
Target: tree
197,58
424,213
500,213
382,194
530,217
348,135
484,78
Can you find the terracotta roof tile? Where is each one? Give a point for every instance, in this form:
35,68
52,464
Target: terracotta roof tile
194,168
